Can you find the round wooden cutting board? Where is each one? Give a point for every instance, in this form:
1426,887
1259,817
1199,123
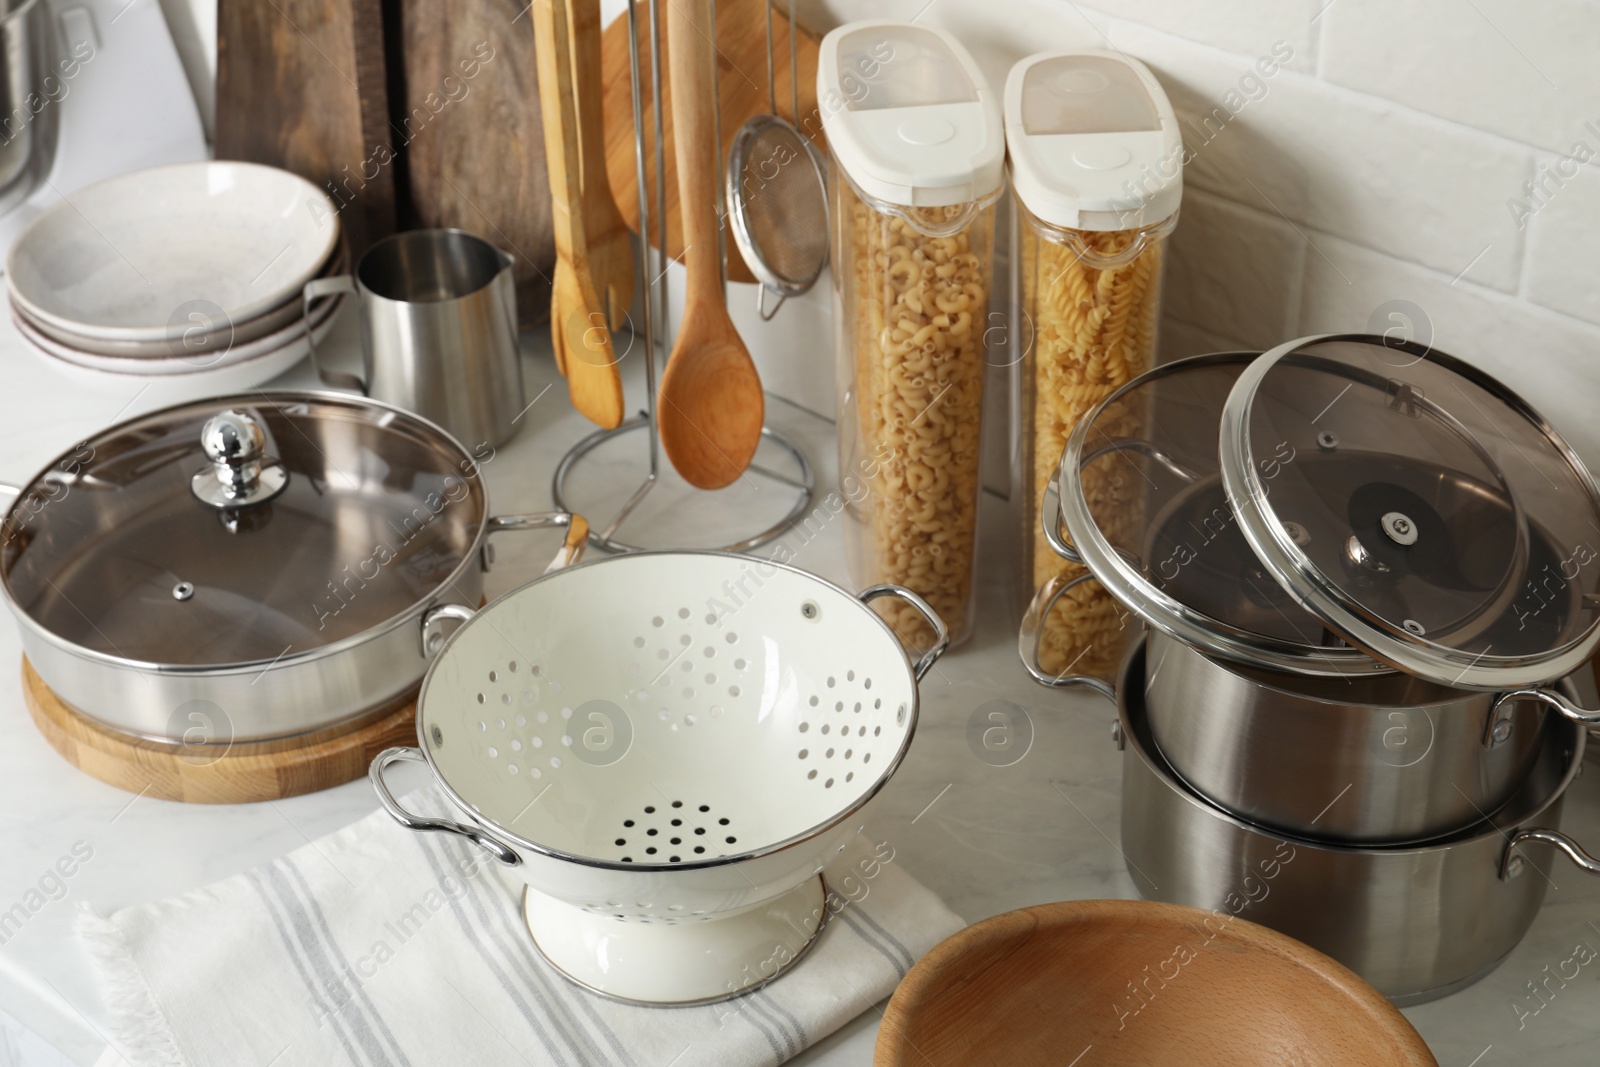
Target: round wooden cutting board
238,773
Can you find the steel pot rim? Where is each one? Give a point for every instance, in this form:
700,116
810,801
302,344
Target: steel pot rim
507,838
311,655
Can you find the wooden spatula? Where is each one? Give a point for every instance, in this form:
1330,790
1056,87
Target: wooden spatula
610,242
711,407
584,348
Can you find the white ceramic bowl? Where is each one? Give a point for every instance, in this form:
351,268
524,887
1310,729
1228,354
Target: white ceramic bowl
144,366
192,384
122,259
202,334
668,748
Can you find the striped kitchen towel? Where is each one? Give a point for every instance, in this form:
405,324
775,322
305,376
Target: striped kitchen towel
375,945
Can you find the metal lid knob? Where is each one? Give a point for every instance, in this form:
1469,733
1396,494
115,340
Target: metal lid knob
241,473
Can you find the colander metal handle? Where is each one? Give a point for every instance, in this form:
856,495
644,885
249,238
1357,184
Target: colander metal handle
942,641
502,852
1033,623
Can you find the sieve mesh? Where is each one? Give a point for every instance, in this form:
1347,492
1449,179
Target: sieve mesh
780,204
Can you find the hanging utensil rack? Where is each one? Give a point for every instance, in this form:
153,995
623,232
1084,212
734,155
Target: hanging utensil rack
653,320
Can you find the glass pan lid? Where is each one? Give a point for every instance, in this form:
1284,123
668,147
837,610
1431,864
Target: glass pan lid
113,551
1144,504
1417,507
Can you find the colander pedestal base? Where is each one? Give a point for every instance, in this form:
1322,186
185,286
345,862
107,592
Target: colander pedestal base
696,960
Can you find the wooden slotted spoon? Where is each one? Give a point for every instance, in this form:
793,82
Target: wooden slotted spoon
610,242
577,317
711,407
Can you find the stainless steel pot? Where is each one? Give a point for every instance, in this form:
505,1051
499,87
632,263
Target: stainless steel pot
258,566
1375,759
1253,697
1385,759
1418,922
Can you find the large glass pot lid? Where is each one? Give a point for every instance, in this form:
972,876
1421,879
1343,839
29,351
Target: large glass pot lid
1417,507
239,530
1143,501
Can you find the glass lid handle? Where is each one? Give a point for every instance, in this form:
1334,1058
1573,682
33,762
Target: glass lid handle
241,472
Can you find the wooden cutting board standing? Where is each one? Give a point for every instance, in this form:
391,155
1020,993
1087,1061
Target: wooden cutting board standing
474,139
408,113
301,84
741,92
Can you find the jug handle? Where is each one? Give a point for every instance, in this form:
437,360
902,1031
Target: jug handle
314,290
1029,633
1512,864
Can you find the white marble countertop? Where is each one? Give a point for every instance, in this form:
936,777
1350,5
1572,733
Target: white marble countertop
986,838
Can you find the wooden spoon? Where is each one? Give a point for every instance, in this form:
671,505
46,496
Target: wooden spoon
577,317
711,407
610,242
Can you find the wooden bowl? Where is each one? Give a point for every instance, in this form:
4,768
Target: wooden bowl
1090,983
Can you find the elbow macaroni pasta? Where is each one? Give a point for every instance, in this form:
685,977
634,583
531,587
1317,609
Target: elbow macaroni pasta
910,314
1094,330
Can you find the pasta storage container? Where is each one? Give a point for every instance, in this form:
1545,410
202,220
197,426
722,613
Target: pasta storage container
1096,163
918,164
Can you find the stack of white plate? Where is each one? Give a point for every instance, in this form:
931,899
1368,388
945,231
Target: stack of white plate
194,270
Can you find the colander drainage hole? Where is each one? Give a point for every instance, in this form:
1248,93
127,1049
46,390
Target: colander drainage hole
622,841
652,831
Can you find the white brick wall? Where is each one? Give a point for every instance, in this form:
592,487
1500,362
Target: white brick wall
1376,167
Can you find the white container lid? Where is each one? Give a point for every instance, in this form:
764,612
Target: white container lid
909,116
1094,143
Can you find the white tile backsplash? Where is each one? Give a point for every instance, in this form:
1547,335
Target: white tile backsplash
1232,271
1248,27
1564,243
1551,359
1524,69
1323,157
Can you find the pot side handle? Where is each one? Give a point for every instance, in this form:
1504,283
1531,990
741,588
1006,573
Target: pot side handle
1555,699
1512,864
941,632
1050,519
1029,633
570,552
503,853
571,548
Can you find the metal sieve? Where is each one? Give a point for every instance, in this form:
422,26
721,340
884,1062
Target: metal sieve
777,193
667,747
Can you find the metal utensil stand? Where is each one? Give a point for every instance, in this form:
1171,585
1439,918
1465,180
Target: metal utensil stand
654,313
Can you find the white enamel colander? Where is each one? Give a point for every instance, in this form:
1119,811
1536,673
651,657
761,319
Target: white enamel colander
667,747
